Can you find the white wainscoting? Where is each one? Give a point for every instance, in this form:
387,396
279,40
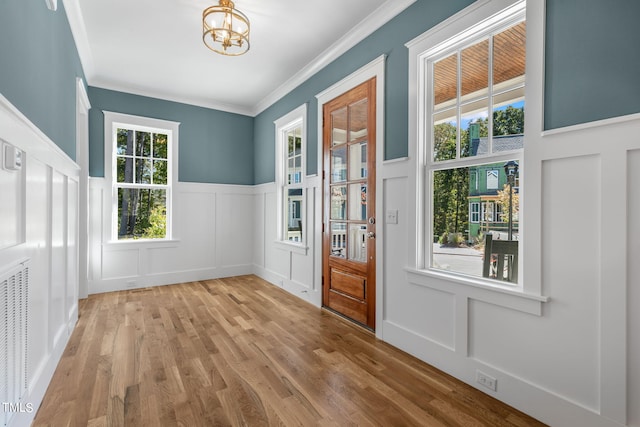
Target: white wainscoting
213,236
577,361
294,268
40,208
572,360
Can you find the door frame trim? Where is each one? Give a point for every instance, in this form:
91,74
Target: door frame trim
373,69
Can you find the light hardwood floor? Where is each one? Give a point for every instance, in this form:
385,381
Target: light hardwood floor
240,351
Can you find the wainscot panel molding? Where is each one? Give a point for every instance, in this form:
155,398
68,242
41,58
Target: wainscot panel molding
291,267
574,359
39,232
563,344
213,236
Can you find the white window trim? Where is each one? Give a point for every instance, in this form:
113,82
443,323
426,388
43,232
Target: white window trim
111,120
295,118
526,296
477,213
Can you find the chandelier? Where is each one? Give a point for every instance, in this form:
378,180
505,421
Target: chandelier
225,30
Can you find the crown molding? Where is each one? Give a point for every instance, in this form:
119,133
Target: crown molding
379,17
79,32
383,14
197,102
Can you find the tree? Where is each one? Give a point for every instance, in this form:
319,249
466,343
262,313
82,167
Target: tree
157,228
509,121
450,186
127,208
141,159
503,201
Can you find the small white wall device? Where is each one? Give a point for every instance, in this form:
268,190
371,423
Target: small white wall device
52,4
12,157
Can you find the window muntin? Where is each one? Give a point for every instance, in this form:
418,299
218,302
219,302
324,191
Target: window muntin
476,114
141,181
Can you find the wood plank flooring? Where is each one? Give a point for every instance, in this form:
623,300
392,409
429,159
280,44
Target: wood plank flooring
242,352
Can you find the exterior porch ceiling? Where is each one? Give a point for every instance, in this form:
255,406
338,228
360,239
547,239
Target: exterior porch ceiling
508,64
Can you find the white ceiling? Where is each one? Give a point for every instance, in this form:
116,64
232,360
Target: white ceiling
155,48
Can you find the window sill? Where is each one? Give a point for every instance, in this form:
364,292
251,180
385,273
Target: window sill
140,243
478,289
298,248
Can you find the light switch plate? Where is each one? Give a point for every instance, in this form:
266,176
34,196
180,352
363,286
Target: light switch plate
392,216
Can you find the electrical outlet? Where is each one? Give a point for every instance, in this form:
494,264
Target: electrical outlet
486,380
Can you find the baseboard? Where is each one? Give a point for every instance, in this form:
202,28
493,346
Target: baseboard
544,405
124,283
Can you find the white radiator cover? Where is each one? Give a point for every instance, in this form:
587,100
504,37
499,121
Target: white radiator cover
14,320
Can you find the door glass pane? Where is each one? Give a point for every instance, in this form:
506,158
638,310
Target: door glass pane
445,131
339,202
339,164
358,242
474,64
339,239
339,126
358,161
358,120
445,81
473,128
509,55
358,202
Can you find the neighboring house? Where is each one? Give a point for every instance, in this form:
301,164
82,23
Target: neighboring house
486,214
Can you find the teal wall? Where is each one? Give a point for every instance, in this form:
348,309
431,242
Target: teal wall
214,146
592,61
39,64
591,58
388,40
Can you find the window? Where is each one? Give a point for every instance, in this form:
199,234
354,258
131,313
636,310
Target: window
474,103
492,179
141,167
290,141
475,212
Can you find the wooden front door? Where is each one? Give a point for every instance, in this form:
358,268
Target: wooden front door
349,189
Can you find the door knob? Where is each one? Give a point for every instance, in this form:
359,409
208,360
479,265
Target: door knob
371,235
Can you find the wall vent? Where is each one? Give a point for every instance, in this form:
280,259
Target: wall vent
14,318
